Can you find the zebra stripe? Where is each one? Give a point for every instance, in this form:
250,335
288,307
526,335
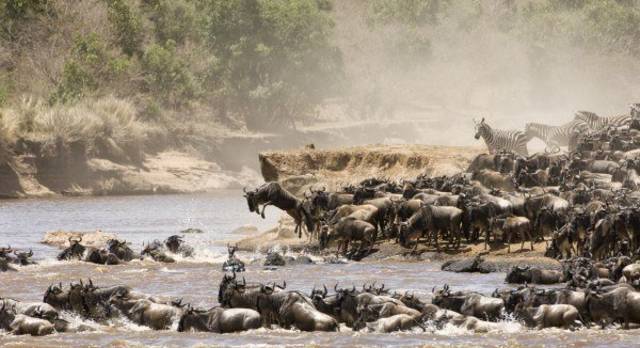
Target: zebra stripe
502,140
596,123
556,136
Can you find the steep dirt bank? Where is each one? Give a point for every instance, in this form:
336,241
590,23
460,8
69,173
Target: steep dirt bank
165,172
297,169
224,161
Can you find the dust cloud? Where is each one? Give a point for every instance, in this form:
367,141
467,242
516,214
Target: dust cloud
475,68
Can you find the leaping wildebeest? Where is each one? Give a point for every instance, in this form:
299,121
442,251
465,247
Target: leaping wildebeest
272,193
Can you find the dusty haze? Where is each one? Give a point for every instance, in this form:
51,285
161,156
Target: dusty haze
479,70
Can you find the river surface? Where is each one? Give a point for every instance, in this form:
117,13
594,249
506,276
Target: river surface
145,218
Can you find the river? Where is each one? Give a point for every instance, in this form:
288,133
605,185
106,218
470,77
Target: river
144,218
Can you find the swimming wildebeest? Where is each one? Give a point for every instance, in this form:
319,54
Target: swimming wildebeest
219,320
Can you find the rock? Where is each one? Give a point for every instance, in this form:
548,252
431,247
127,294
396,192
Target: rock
274,259
469,264
489,267
60,239
301,260
192,230
246,229
333,260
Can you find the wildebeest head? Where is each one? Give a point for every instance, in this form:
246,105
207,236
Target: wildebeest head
24,258
121,249
4,252
75,249
7,314
193,319
363,193
173,243
56,297
252,200
408,189
319,199
231,250
318,293
148,248
519,275
440,296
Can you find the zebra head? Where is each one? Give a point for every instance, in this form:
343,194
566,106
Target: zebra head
481,128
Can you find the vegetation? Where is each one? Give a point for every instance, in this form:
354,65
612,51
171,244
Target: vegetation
180,66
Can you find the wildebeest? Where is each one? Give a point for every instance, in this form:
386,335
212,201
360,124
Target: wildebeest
299,311
272,193
533,275
397,322
219,320
492,179
155,250
176,245
351,229
121,249
434,221
621,304
556,315
481,306
513,225
74,251
20,324
40,310
157,316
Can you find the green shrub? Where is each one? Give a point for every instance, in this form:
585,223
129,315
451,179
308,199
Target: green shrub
167,76
174,20
274,62
127,26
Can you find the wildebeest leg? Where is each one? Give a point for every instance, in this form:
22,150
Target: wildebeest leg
435,239
508,232
264,206
487,235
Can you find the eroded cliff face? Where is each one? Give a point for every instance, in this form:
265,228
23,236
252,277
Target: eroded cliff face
300,168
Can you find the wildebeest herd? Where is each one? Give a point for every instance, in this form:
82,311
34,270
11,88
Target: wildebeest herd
249,305
582,205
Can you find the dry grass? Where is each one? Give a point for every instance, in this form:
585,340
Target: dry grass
107,120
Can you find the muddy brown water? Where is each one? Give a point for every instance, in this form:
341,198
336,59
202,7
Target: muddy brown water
137,219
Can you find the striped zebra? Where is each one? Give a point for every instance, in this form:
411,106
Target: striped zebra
556,136
502,140
596,123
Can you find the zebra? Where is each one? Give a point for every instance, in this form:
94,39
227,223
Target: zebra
502,140
556,136
596,123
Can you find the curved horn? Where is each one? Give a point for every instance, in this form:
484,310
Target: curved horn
244,189
325,290
335,287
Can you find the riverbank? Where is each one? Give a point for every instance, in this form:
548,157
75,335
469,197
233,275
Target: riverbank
220,160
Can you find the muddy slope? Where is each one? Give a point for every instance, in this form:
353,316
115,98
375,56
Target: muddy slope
299,168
